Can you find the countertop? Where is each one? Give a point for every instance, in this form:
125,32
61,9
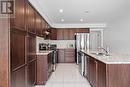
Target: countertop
46,52
112,59
65,48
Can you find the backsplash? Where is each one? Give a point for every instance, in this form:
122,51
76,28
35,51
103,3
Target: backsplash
60,43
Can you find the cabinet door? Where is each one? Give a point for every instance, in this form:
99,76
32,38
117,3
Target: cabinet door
101,74
93,72
66,34
60,34
18,78
31,74
85,30
72,34
88,68
19,20
38,24
42,70
31,47
17,49
53,34
82,30
43,28
69,55
61,56
30,19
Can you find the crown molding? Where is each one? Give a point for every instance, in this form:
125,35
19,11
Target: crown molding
85,25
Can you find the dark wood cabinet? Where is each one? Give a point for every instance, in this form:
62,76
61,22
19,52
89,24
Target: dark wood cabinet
61,56
101,74
43,28
44,68
38,24
31,74
87,68
30,19
66,55
60,34
69,33
18,78
72,34
18,42
17,49
66,34
19,20
69,56
82,30
31,47
93,71
53,34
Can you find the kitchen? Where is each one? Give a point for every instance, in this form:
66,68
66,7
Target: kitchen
39,45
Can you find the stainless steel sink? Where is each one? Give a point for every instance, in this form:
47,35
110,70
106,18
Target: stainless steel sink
100,54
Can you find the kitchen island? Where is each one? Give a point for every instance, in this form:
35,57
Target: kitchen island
44,66
107,71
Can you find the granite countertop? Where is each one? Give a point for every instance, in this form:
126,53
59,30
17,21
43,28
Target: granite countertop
112,59
65,48
46,52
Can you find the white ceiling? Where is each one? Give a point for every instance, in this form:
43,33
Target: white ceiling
98,11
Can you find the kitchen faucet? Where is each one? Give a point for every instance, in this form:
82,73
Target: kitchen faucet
105,50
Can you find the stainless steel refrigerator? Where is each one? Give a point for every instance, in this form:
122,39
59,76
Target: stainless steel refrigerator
82,43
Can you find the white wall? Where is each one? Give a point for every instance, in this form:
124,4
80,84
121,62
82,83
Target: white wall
117,35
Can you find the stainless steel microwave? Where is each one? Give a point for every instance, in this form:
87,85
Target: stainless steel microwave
42,46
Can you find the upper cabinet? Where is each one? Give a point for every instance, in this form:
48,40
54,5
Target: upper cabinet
38,24
30,19
60,35
19,21
82,30
43,28
53,34
66,34
72,34
69,33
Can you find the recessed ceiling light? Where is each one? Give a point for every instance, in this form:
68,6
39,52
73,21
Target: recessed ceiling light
81,20
62,20
61,10
86,11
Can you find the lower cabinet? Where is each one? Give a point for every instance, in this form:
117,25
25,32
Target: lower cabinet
25,76
69,55
66,55
61,58
18,77
44,68
100,74
31,74
92,71
97,73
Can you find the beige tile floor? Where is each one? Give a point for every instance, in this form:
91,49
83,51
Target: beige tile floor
66,75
